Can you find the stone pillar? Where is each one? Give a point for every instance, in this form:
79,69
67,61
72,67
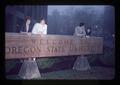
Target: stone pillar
29,70
81,63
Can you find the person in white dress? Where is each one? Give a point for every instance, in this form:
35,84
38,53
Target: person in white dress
40,28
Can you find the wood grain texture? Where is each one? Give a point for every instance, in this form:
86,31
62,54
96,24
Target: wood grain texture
25,46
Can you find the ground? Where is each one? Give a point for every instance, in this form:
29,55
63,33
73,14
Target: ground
95,73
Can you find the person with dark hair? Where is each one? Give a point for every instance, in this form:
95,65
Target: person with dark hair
26,27
80,30
82,24
88,32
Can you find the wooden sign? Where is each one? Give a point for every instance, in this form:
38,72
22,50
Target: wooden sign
25,46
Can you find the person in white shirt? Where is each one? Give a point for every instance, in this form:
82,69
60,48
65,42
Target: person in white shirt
80,30
40,28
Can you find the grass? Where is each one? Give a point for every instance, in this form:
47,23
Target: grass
96,73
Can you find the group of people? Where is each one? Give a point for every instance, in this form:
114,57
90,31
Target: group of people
81,62
41,28
38,28
82,31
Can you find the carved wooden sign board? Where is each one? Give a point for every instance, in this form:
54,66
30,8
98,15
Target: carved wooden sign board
26,46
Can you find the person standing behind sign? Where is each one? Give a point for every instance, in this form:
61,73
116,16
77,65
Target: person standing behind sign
40,28
88,32
26,27
80,30
81,63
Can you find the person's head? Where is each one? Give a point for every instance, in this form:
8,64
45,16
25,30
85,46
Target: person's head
88,29
82,24
27,20
42,21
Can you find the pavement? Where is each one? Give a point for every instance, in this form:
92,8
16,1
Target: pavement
96,73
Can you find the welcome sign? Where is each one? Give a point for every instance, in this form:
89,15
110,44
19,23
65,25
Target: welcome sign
25,46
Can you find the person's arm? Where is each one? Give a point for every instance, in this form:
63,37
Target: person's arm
84,33
77,32
27,28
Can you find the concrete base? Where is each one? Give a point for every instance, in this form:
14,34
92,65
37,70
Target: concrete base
81,64
29,70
